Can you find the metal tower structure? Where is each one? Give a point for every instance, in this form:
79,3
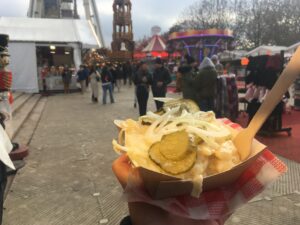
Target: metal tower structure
53,9
91,13
61,9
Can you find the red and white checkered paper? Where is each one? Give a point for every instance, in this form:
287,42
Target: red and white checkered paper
220,203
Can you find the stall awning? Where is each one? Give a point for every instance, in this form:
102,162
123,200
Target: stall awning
22,29
266,50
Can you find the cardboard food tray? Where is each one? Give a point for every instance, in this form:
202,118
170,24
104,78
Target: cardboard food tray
162,186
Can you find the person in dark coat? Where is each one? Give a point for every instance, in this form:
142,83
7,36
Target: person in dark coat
113,72
82,74
187,77
87,72
161,78
106,78
205,85
119,73
66,78
142,80
127,72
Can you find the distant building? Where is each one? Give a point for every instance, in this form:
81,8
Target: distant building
53,9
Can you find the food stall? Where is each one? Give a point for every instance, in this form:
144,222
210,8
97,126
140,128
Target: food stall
56,56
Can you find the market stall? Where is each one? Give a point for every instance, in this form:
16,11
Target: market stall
55,56
266,50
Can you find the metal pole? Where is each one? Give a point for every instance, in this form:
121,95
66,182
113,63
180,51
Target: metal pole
97,22
76,16
30,9
87,9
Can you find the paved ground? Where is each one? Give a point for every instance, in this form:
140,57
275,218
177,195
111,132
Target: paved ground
68,178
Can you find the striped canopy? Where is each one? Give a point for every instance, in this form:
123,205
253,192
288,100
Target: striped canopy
156,44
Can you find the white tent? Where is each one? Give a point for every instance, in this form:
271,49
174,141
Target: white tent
266,50
232,55
291,50
26,34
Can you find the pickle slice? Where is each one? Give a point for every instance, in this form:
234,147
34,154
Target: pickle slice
171,166
184,104
174,146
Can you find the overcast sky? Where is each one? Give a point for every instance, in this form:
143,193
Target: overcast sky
145,14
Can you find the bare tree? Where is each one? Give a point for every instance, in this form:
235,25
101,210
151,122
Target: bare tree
254,22
207,14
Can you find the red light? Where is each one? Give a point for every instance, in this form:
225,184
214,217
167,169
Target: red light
245,61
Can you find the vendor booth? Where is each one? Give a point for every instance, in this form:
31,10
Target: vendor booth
36,44
266,50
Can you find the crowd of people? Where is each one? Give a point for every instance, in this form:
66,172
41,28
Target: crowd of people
196,82
158,80
113,76
63,71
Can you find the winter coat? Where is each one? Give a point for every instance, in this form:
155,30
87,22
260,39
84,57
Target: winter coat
106,76
67,77
187,81
205,83
139,80
161,75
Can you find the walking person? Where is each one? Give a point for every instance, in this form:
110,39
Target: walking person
44,74
134,71
94,79
66,78
119,73
113,72
87,73
205,85
52,73
106,79
161,78
219,67
81,78
127,73
142,80
187,73
60,72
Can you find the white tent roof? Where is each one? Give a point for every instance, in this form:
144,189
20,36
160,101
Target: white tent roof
232,55
293,47
266,50
49,30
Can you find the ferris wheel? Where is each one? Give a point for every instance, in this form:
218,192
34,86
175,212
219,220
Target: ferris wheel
62,9
92,15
